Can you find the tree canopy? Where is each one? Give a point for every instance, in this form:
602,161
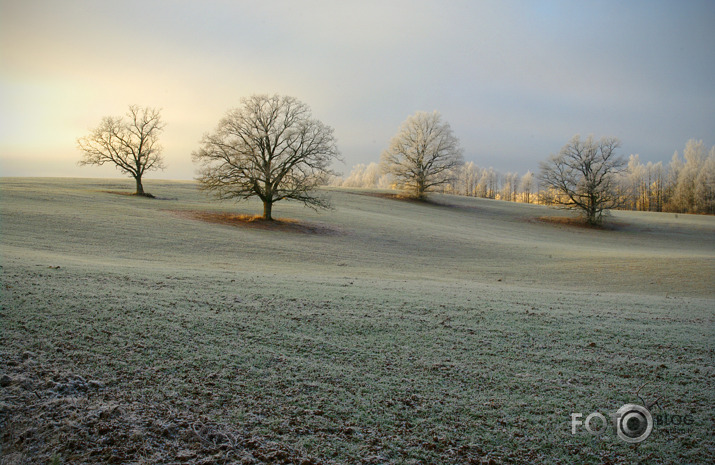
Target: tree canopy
423,154
131,144
584,176
269,147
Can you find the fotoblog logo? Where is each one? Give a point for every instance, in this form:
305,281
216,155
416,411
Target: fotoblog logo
632,423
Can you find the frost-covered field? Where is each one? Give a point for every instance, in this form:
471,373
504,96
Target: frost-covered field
383,332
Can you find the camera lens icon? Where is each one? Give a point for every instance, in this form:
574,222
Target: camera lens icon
634,423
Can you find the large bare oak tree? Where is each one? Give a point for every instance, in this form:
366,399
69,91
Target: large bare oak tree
271,148
584,176
423,154
131,144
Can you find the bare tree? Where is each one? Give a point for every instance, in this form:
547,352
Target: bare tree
271,148
482,189
705,186
469,177
636,185
510,188
643,185
423,154
657,186
366,176
684,193
527,186
492,183
583,174
131,144
692,182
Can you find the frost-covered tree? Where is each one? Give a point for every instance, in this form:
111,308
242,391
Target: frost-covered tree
367,176
684,194
584,174
657,186
643,185
510,187
469,177
488,183
271,148
423,154
691,180
131,143
705,186
527,186
671,181
635,184
481,188
462,180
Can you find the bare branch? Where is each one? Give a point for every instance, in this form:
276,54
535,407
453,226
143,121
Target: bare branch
130,144
271,148
423,154
583,176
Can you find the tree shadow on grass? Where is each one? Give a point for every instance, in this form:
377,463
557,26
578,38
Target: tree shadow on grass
402,197
130,194
576,222
257,222
145,195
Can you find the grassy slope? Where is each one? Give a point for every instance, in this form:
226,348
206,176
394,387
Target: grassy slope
410,332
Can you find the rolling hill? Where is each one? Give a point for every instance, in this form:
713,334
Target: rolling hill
460,330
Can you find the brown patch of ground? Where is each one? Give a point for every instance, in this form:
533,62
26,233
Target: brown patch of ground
257,222
131,194
402,197
577,222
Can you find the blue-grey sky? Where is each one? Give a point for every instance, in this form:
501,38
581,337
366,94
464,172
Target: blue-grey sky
515,79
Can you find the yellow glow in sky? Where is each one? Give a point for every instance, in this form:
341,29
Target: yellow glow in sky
515,80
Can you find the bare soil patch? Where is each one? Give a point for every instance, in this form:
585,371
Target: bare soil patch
578,223
402,197
257,222
130,194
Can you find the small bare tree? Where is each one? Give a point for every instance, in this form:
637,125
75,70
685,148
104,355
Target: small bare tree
271,148
527,186
583,174
131,144
423,154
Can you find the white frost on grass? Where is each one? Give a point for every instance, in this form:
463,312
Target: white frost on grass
469,321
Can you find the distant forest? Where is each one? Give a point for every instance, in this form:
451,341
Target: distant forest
685,185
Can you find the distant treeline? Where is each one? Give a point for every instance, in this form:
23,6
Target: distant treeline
685,185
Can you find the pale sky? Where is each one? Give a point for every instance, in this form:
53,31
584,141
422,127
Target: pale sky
515,79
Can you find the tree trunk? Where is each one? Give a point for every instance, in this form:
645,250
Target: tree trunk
592,217
140,188
420,191
267,208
